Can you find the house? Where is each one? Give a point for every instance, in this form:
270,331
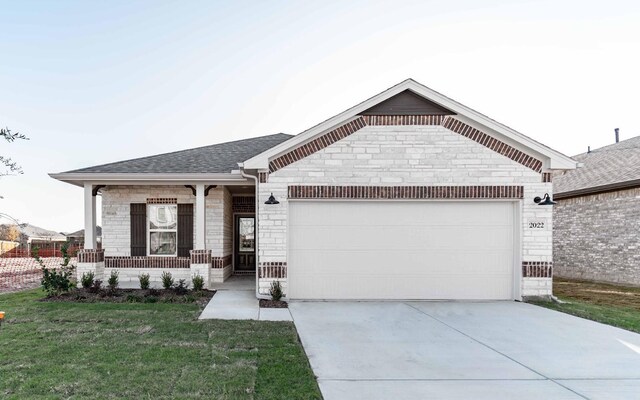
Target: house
76,238
407,195
597,218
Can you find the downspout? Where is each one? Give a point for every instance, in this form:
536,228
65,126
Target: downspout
255,226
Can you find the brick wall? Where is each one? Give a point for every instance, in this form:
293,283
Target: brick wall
596,237
405,155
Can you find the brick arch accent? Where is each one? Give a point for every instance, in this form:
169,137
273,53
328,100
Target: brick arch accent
449,122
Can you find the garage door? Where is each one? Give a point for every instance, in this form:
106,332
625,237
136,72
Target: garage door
401,250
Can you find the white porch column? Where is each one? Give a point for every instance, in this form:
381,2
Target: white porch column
89,217
200,218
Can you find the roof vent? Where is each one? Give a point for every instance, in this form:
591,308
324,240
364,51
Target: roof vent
617,130
588,149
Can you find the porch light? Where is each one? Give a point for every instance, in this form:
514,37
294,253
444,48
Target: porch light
544,201
272,200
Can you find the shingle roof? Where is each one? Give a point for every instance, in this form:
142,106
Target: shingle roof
609,165
217,158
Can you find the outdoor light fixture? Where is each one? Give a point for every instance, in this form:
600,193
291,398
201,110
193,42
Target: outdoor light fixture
272,200
544,201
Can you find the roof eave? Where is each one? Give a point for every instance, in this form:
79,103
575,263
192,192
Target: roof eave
79,179
612,187
555,159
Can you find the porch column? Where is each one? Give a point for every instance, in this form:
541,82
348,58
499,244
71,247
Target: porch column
200,218
89,217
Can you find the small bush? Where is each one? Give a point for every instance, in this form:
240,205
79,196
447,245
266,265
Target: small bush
113,281
132,298
182,287
276,291
96,286
167,280
56,282
87,279
198,283
144,281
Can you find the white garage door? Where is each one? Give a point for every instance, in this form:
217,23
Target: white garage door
401,250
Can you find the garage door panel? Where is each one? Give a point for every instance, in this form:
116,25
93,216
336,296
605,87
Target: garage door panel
400,237
492,214
400,250
417,263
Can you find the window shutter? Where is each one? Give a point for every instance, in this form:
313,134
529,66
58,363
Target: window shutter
138,229
185,229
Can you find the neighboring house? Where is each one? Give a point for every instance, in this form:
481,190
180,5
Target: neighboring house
597,218
32,235
76,238
408,195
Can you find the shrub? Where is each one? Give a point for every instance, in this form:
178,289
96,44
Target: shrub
167,280
87,279
198,283
144,281
182,287
154,292
113,281
276,291
55,282
97,285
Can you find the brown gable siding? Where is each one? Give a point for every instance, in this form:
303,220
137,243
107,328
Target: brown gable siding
407,103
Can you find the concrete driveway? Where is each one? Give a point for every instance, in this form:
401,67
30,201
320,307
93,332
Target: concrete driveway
464,350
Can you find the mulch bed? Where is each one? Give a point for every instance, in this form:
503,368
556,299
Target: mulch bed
273,304
81,295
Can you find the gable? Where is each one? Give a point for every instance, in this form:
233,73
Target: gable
407,103
410,103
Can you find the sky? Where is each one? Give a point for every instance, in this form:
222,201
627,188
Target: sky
91,82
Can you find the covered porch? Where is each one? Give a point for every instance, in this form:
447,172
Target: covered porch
184,228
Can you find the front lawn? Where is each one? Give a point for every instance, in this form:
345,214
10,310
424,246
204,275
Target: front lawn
610,304
151,351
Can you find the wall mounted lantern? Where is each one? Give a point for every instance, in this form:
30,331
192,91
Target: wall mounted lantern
544,201
272,200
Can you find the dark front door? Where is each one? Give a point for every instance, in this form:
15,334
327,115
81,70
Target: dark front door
245,243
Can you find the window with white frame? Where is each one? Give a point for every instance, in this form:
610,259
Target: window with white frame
162,229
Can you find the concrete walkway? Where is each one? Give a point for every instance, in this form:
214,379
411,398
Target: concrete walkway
463,350
236,299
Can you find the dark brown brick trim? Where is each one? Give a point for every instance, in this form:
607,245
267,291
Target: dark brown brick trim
162,201
147,262
317,144
220,262
405,192
263,177
537,269
200,256
547,177
91,256
272,270
448,122
494,144
403,119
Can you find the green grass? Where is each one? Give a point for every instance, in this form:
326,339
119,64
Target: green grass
146,351
610,304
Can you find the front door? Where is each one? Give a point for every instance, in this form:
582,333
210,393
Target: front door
245,243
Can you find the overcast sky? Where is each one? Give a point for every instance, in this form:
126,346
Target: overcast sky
92,82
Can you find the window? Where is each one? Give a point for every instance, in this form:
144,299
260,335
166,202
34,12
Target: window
163,229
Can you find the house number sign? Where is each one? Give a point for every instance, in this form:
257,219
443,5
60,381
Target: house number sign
536,224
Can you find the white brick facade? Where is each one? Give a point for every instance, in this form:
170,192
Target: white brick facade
116,238
408,155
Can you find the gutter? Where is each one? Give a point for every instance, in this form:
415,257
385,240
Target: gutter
255,227
612,187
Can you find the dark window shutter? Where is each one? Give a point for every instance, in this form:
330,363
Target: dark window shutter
185,229
138,229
